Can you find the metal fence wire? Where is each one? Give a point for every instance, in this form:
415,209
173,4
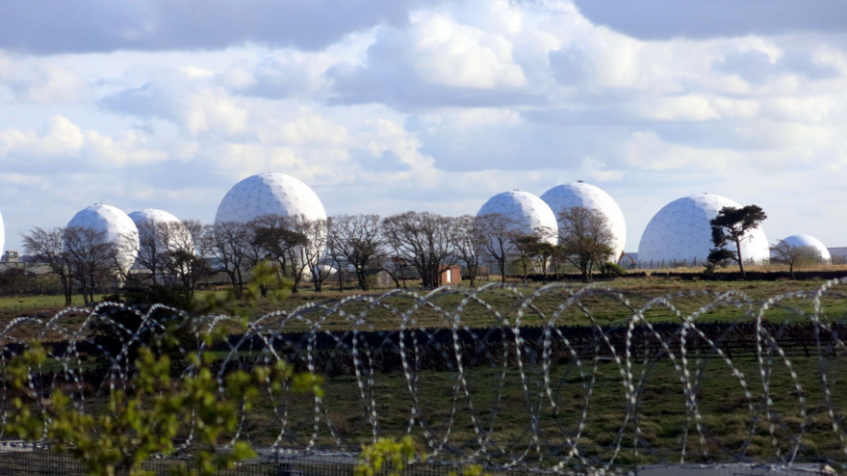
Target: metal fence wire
557,379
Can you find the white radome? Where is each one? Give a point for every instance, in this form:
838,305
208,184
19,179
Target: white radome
530,213
580,194
680,232
119,228
153,216
809,241
269,193
325,270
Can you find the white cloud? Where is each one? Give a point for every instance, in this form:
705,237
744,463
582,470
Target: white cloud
60,137
448,53
646,150
63,142
40,83
438,109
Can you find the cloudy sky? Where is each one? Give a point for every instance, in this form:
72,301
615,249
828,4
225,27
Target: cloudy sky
384,106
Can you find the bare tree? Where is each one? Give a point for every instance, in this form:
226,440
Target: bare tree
424,240
275,235
47,247
468,243
301,248
91,259
154,245
227,244
523,247
356,241
496,234
124,253
533,250
585,239
182,260
334,249
315,234
791,255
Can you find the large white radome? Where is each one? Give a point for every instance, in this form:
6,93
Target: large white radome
580,194
119,228
811,242
680,231
269,193
157,217
530,214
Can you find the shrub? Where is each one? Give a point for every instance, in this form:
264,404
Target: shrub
612,270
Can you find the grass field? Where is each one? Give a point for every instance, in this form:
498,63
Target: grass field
504,412
729,428
605,309
503,406
24,303
687,296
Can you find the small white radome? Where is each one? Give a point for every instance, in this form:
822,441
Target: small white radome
119,228
153,216
580,194
811,242
531,215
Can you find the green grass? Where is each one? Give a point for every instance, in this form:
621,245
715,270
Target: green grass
24,303
726,419
605,309
727,422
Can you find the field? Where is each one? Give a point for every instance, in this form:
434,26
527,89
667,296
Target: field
502,411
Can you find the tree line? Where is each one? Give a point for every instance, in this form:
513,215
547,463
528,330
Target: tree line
419,245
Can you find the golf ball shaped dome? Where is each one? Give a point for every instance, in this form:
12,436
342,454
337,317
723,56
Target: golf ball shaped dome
530,214
119,228
811,242
151,216
269,193
681,232
580,194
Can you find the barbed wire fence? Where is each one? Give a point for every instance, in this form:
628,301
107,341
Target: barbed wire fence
559,378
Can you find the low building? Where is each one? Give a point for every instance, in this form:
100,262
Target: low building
451,274
11,257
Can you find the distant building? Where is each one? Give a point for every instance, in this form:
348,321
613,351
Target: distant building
451,274
11,256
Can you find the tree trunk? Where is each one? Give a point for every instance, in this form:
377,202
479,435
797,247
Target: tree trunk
66,289
360,275
740,258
